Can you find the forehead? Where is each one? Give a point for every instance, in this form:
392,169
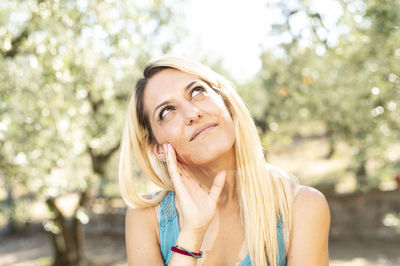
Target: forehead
165,85
167,79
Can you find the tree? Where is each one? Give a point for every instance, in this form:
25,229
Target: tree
67,69
341,73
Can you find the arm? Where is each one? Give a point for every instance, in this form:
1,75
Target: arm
142,247
311,221
198,209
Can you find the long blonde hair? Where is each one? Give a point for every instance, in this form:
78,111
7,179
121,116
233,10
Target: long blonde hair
265,192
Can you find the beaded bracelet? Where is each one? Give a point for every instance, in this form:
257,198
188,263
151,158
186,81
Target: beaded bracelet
183,251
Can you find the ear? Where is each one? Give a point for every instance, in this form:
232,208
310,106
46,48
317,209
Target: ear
158,150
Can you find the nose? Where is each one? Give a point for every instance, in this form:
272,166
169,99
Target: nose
191,113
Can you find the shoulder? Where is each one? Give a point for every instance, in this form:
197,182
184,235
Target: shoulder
141,238
144,220
310,200
311,222
146,214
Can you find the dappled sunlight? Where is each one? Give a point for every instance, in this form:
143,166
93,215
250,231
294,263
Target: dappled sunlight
363,253
360,262
320,79
392,220
68,204
24,250
305,158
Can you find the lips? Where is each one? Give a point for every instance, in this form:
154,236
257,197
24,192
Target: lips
201,129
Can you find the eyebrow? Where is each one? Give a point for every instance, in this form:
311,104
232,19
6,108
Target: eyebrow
167,102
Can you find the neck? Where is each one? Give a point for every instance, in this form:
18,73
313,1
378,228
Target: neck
205,174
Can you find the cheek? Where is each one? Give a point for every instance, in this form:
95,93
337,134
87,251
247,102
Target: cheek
182,154
169,131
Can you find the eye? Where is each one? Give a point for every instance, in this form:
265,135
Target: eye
164,112
196,91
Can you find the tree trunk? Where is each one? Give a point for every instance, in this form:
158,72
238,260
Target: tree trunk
68,240
331,147
361,171
11,226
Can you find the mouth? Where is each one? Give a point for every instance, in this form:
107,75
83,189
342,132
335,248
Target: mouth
203,129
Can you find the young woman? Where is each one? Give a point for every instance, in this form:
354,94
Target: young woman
221,203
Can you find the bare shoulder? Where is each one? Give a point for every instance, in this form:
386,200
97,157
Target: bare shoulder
143,218
141,238
140,223
311,200
311,222
136,216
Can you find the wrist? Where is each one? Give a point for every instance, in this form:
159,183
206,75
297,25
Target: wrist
186,252
194,231
190,240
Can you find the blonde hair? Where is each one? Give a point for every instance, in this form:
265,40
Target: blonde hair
265,192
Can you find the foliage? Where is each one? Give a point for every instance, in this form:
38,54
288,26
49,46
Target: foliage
67,69
344,74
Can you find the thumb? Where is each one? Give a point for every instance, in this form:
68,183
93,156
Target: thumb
217,186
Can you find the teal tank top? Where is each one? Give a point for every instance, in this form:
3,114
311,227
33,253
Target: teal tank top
169,231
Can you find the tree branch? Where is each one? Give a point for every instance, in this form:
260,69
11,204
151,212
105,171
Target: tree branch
15,44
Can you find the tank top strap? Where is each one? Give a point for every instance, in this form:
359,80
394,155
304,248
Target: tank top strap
168,226
281,257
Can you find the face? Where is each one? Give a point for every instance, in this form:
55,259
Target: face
186,112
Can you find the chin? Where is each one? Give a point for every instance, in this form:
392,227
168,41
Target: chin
208,153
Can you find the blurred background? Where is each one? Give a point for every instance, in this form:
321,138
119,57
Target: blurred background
321,79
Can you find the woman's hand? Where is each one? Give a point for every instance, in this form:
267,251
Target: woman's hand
197,206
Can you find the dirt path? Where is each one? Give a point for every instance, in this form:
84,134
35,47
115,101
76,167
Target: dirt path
34,249
356,253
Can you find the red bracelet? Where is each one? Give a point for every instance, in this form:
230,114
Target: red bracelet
183,251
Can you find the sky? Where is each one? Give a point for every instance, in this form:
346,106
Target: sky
230,29
237,31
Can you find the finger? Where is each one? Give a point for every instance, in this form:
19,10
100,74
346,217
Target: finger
217,186
171,158
177,166
172,167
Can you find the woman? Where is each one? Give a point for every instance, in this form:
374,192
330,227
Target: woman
221,203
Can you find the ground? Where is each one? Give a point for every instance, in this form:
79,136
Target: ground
34,249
